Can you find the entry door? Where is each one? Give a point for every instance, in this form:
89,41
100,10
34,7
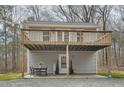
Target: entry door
62,64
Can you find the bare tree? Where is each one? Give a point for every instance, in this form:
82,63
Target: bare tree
87,12
118,36
5,15
104,13
73,13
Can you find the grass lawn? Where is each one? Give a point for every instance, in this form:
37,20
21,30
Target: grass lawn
115,74
10,76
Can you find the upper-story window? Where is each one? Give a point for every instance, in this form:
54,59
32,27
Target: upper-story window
66,36
45,36
79,36
53,36
59,35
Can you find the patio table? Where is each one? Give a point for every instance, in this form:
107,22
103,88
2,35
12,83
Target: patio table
40,70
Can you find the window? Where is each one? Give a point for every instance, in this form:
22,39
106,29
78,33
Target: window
79,36
59,34
53,36
73,36
66,36
45,36
63,61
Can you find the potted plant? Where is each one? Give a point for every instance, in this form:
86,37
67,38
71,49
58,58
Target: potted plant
57,68
71,71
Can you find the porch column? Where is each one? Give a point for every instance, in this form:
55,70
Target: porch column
109,61
67,58
28,66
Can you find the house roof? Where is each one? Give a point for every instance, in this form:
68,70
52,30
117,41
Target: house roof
61,24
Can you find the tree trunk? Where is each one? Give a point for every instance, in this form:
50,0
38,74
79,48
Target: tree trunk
14,51
22,63
106,56
18,53
119,50
115,54
5,35
103,58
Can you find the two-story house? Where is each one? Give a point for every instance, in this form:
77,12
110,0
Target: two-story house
51,42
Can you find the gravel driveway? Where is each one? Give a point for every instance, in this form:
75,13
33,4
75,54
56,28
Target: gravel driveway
63,83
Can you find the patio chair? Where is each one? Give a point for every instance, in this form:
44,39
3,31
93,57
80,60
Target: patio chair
37,71
43,70
40,70
31,70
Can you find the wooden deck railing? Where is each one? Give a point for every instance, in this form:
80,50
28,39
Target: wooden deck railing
104,39
85,38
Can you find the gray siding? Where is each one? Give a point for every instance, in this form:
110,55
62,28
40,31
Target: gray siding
83,62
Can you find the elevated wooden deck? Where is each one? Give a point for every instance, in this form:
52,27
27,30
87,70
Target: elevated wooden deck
92,40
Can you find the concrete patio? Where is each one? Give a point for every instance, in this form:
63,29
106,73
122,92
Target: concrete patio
64,77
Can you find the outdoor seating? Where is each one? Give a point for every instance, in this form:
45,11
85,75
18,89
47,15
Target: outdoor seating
38,70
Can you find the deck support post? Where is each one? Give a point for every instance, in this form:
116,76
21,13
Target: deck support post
28,66
67,58
109,62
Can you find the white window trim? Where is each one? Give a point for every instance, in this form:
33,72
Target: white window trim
69,36
53,36
63,36
56,37
59,59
